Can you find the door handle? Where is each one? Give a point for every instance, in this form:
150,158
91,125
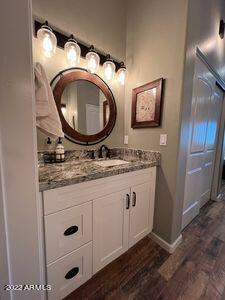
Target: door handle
127,201
134,199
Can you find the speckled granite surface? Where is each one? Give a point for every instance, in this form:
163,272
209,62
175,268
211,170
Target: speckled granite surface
78,168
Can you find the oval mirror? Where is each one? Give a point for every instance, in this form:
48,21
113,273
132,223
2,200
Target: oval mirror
86,106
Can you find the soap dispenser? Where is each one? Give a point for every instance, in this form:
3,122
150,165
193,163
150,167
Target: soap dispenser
49,154
60,151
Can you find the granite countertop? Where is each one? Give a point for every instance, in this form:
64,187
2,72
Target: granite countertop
80,170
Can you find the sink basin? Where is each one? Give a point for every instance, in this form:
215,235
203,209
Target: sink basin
110,163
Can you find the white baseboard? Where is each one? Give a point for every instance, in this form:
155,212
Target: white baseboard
168,247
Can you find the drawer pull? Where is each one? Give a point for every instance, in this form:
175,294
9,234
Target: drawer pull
72,273
71,230
134,199
127,201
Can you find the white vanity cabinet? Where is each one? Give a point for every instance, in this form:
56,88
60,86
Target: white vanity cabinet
88,225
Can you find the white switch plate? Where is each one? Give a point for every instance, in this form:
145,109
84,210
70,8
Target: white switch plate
163,140
126,140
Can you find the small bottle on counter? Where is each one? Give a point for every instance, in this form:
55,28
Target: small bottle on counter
50,153
60,151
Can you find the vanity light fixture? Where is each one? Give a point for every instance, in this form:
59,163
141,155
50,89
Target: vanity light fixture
50,39
122,73
72,50
109,68
92,59
47,39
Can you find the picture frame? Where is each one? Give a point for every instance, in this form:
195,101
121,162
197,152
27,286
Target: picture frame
147,105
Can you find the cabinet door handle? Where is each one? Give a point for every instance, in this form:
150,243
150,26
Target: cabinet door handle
72,273
71,230
134,199
127,201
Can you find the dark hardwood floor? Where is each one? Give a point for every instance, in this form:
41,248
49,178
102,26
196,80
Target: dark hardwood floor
196,270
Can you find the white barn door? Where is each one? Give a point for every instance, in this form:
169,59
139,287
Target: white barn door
204,123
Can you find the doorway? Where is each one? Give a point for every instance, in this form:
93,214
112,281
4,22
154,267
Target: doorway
218,186
92,119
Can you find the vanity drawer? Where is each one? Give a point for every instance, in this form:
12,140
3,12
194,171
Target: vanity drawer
68,196
67,230
69,272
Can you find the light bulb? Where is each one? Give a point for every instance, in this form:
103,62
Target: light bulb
47,45
122,73
72,50
92,59
47,40
63,108
109,68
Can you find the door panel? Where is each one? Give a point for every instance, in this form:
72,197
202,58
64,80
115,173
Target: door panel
92,119
214,115
199,122
139,212
192,196
110,228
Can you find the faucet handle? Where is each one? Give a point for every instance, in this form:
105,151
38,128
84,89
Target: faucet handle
92,154
103,151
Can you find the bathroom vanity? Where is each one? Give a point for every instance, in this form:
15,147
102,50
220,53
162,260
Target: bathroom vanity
94,211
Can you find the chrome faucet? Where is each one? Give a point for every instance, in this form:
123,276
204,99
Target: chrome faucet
103,151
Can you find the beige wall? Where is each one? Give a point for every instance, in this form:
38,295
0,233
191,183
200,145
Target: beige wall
97,22
155,48
203,32
18,149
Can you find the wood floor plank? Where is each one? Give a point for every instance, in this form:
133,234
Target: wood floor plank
217,277
188,283
171,265
210,293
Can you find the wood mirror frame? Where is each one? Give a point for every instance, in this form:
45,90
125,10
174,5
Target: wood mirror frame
82,74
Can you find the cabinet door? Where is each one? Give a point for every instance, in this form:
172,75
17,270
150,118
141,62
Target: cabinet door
110,228
140,217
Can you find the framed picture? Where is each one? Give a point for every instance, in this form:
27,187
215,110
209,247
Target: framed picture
146,105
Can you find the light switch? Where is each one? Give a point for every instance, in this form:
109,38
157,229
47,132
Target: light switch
126,140
163,139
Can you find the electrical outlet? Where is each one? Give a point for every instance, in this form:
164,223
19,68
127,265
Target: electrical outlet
126,140
163,140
